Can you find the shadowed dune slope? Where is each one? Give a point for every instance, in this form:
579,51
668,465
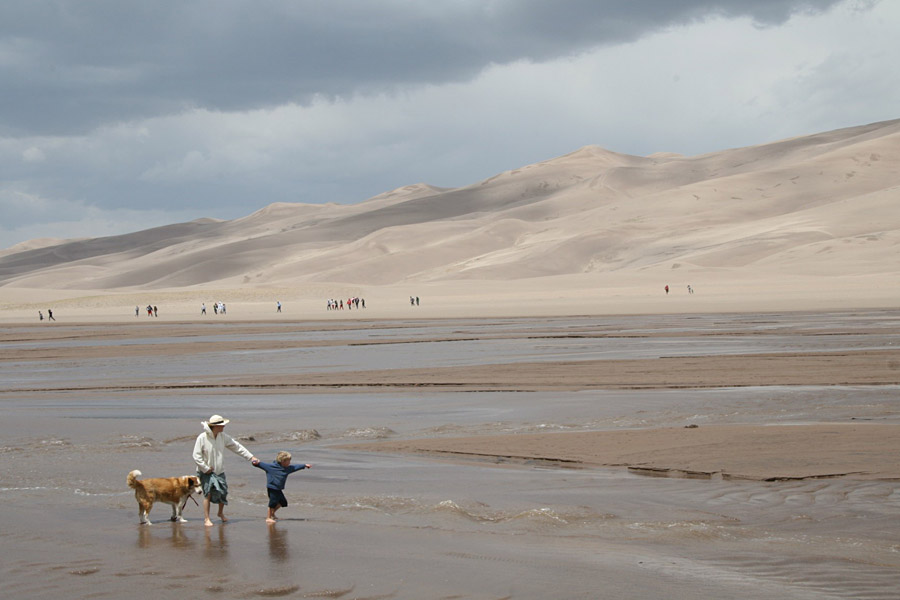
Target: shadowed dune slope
825,203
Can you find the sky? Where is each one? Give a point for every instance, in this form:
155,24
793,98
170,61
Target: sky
117,116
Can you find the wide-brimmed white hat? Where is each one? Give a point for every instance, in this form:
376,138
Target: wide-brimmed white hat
217,420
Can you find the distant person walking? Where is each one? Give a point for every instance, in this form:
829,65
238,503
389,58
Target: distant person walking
203,308
137,311
40,316
278,305
50,314
667,289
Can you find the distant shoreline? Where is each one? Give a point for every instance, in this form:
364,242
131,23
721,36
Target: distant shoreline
533,298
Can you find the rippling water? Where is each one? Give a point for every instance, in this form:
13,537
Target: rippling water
379,526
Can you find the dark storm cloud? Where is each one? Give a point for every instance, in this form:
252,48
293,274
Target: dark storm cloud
68,67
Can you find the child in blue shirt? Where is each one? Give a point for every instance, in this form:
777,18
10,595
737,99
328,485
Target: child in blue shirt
276,475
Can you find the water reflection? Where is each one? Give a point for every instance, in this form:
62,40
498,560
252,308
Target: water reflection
171,534
216,542
279,550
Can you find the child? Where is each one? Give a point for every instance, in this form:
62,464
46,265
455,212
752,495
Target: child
276,475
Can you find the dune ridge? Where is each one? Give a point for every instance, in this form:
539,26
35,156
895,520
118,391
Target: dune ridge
797,216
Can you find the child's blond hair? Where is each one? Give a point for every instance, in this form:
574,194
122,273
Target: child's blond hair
282,456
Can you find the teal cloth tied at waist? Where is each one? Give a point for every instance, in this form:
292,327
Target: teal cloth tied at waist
214,487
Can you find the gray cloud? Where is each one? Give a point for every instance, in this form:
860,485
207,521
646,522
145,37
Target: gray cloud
116,116
69,67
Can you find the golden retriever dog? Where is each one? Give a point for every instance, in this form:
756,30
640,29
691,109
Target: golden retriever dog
170,490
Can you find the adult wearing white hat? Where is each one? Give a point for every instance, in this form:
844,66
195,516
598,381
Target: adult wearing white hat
209,450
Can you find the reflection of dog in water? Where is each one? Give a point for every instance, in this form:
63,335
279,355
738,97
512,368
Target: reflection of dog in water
173,536
170,490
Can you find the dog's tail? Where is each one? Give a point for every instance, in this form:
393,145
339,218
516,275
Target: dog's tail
133,478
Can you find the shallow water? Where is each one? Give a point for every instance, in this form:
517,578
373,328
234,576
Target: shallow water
363,525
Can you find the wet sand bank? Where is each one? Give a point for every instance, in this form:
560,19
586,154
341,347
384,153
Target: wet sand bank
765,453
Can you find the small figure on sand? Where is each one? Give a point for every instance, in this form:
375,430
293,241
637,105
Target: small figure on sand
667,289
278,306
209,450
276,476
50,314
203,308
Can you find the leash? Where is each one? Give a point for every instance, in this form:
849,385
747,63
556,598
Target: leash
191,496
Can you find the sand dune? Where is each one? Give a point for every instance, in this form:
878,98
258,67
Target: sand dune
793,217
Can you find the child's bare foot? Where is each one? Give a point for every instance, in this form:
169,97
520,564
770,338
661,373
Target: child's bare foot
208,523
224,520
270,520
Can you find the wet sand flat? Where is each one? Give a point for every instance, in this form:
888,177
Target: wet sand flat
767,453
470,458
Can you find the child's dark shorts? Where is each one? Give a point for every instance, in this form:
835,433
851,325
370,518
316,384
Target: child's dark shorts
276,498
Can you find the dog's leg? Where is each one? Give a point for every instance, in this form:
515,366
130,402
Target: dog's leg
176,513
145,513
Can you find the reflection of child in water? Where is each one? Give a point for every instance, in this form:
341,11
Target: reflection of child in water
276,475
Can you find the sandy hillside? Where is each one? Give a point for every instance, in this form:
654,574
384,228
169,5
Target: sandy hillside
812,221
